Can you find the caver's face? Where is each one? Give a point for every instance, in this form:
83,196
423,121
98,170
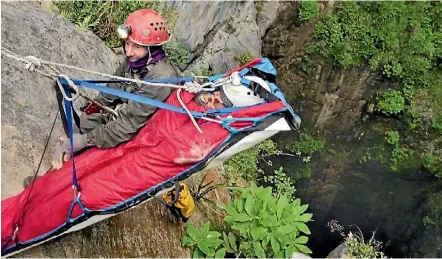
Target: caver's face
134,51
213,100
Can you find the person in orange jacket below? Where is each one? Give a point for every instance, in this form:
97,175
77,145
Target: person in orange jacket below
142,36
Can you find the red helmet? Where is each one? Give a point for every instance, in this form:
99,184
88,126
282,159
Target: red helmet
145,27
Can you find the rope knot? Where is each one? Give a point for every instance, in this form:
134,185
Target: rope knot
33,63
193,87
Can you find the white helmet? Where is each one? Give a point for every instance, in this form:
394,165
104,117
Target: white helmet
236,94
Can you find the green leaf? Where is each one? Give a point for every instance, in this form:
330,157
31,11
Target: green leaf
304,249
211,253
239,204
203,247
254,233
297,202
265,240
263,207
213,234
197,253
262,232
303,208
226,243
271,206
273,221
232,242
205,229
286,229
305,217
303,228
245,246
280,254
281,205
283,239
276,246
289,251
221,253
187,241
229,219
213,242
241,225
248,207
230,210
301,240
242,217
192,232
259,251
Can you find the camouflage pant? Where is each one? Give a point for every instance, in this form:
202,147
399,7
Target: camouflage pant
91,121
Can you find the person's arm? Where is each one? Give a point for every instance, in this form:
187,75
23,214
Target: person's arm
108,99
132,117
129,120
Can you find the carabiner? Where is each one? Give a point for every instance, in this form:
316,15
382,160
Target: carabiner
71,84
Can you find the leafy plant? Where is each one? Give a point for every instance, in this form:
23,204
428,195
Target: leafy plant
103,17
176,52
392,137
437,125
402,40
283,184
429,160
204,241
433,164
356,247
428,221
268,226
366,157
399,154
303,173
244,164
230,243
307,145
243,58
259,8
308,10
389,102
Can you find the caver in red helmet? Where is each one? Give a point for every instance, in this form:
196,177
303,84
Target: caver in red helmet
145,27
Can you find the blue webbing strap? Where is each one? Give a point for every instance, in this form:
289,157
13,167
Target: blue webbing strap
130,96
68,108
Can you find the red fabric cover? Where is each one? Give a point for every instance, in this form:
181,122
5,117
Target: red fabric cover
167,145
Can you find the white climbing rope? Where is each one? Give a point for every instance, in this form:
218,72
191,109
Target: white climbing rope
34,63
178,93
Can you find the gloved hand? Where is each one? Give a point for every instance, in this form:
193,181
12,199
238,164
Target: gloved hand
79,142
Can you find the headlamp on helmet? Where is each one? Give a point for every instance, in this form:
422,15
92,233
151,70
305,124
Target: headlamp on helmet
124,31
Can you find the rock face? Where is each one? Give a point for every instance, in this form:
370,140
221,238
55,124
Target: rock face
28,99
216,31
397,205
326,97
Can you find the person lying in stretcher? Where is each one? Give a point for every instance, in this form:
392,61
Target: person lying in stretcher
228,95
